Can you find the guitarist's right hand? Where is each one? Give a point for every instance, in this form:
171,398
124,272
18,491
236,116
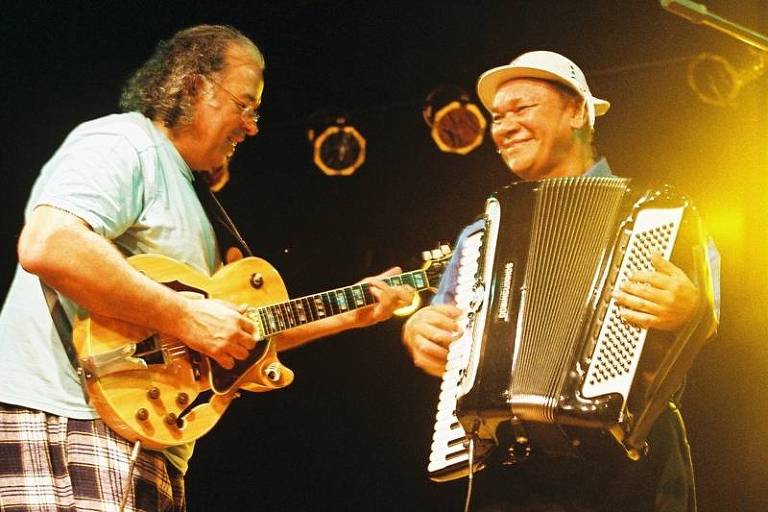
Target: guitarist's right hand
217,329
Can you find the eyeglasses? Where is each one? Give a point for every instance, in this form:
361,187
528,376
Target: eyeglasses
247,112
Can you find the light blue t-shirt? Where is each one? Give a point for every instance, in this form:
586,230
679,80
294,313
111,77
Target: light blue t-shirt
123,177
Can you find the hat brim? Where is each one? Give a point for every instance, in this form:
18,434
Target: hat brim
489,83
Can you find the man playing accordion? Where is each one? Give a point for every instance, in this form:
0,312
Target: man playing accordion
543,123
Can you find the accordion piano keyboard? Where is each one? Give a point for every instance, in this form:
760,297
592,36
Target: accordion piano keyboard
448,451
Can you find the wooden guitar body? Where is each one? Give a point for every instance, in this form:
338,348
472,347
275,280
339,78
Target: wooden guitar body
159,391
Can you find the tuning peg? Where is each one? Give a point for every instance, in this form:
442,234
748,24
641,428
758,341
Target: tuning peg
446,249
426,255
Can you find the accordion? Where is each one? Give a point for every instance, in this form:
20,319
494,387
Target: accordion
546,364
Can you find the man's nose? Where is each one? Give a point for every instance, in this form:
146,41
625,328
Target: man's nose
508,124
251,127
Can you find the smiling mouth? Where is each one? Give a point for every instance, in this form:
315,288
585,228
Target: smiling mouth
512,145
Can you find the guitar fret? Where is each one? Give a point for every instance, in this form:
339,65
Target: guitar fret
290,320
418,279
300,313
294,314
329,304
319,305
369,298
357,296
281,316
271,320
276,315
341,300
310,308
264,326
350,298
263,321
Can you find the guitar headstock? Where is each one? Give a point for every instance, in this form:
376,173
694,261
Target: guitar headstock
435,263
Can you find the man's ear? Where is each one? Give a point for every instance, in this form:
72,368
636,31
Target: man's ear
580,118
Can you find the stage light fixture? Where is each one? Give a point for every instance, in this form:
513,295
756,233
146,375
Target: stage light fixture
456,125
338,148
716,81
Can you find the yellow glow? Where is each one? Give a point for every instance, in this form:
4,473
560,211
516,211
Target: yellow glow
727,226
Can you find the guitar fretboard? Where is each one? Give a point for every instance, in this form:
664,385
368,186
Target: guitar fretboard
276,318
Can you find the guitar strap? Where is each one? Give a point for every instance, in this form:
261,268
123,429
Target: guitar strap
227,234
64,329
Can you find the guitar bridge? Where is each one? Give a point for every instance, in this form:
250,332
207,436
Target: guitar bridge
117,360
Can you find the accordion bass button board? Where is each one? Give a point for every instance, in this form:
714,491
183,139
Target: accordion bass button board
619,344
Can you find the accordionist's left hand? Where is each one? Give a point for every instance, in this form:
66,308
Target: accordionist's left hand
664,298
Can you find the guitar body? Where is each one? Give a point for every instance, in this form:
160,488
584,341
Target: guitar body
157,390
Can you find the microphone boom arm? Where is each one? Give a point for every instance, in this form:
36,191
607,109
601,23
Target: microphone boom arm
698,13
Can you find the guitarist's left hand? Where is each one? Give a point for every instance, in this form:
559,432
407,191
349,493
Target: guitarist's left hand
389,298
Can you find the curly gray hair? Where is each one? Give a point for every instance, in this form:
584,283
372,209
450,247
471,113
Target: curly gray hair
160,89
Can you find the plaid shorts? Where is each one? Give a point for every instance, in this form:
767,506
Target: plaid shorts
49,463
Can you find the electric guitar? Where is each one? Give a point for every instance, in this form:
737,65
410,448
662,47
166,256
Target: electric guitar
154,389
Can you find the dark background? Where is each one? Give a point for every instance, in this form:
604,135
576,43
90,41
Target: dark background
352,432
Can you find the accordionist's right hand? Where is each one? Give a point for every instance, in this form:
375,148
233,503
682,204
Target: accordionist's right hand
428,333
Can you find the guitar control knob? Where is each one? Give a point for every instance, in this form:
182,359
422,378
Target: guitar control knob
273,372
170,419
153,393
182,399
142,414
257,280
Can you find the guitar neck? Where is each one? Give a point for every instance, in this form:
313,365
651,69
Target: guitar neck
276,318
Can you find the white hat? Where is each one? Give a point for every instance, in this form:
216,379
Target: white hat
544,65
